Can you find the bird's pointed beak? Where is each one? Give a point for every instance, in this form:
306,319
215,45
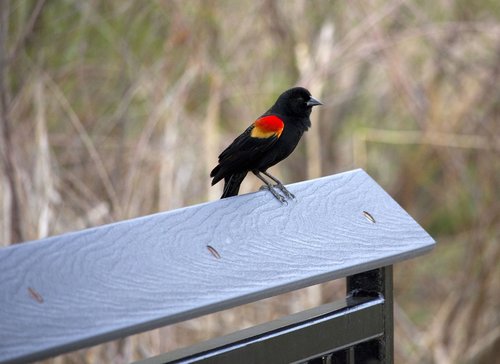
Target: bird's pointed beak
313,102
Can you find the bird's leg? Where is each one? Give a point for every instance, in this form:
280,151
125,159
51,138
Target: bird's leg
268,186
283,189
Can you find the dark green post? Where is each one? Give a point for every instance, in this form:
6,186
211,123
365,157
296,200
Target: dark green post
377,282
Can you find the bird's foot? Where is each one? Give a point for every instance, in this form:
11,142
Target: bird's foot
287,193
279,197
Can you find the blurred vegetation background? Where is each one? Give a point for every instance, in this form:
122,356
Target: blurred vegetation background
115,109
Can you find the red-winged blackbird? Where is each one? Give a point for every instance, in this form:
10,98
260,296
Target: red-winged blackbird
269,140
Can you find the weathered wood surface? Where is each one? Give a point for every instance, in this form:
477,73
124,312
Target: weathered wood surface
79,289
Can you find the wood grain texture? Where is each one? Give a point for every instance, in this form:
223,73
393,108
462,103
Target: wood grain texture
83,288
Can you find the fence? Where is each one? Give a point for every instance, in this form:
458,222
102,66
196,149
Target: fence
84,288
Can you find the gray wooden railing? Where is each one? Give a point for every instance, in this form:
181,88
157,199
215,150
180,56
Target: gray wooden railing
79,289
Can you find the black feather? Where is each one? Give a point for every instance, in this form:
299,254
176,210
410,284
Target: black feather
247,153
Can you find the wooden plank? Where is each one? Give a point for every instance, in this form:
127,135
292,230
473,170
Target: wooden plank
83,288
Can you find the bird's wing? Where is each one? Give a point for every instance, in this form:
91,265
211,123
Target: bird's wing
257,138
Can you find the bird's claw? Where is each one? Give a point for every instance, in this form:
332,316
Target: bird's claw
279,197
285,191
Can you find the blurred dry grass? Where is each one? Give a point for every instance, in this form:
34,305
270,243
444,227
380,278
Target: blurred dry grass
116,109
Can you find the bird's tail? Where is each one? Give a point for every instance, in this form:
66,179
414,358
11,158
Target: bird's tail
232,184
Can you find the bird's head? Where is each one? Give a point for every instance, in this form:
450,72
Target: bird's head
296,101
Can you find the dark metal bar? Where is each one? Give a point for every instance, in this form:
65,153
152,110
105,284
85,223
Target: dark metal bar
375,283
342,356
300,337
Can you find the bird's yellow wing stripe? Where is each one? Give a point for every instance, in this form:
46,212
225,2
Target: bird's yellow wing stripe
267,127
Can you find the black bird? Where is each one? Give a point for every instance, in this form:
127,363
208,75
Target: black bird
269,140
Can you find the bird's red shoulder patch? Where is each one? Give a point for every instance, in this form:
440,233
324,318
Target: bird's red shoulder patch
267,126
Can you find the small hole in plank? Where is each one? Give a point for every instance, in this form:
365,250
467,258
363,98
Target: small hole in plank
369,217
35,295
214,252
